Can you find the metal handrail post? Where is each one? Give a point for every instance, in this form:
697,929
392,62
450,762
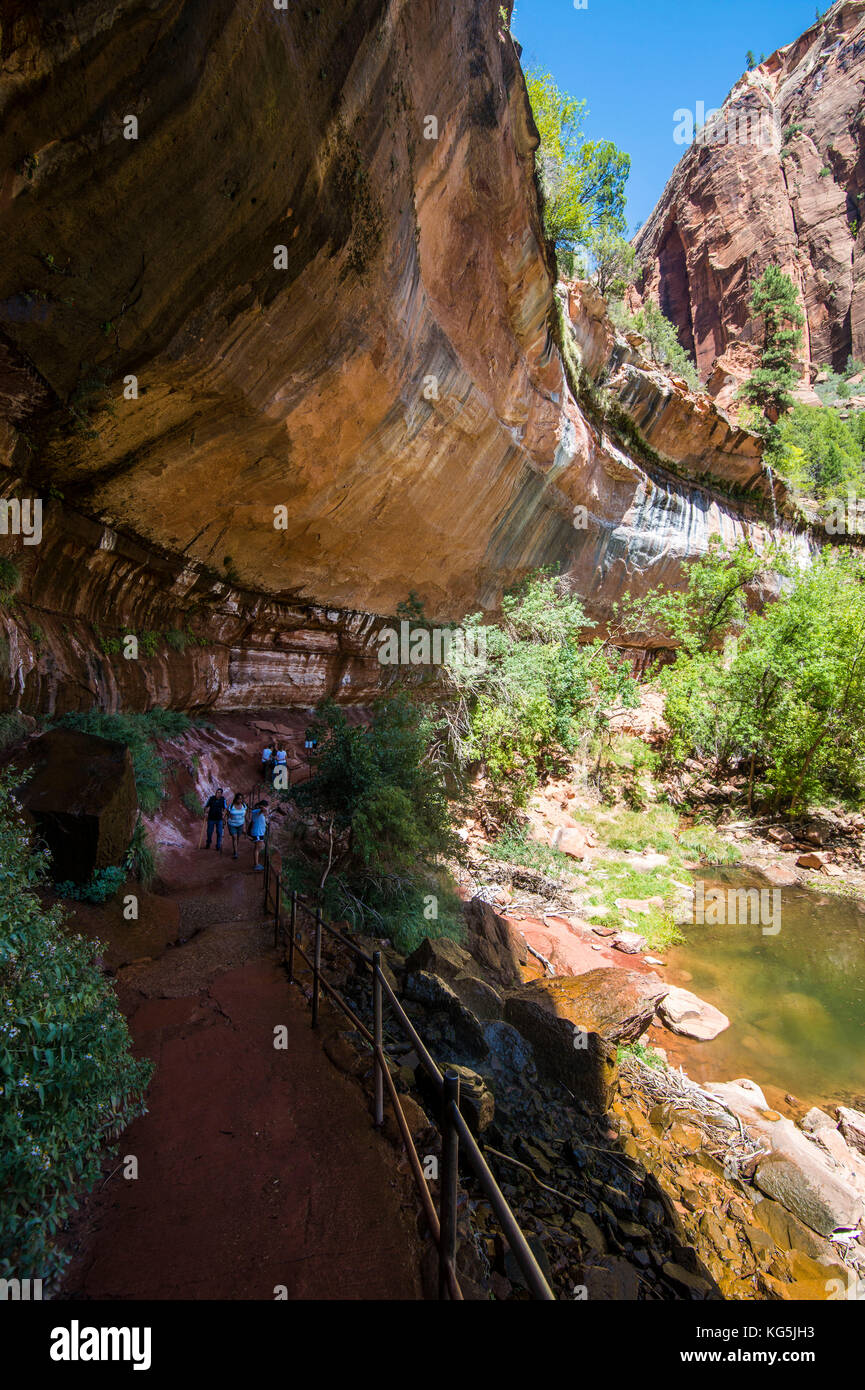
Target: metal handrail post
316,969
378,1034
277,907
291,931
449,1181
266,874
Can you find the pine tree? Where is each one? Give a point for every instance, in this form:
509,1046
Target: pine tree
770,387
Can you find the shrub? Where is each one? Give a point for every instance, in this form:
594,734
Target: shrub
13,726
192,802
68,1081
382,809
138,732
103,884
140,858
10,580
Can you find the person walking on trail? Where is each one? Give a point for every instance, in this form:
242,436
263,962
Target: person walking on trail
236,821
267,763
280,766
216,818
258,833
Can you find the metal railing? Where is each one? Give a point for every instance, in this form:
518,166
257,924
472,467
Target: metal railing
457,1139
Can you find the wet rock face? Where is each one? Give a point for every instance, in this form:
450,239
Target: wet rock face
780,178
286,355
81,796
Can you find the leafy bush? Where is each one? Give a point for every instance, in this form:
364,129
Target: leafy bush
103,884
69,1083
140,858
531,693
514,846
138,732
661,336
192,802
820,454
382,809
10,579
786,694
12,727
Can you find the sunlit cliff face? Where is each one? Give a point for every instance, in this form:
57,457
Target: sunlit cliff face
278,348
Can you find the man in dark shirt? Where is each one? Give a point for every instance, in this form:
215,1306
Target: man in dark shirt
216,818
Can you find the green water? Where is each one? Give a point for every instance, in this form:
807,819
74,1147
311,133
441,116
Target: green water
796,1000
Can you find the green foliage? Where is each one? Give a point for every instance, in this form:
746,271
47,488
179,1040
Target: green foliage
661,336
140,858
383,811
582,181
514,846
192,802
534,692
103,884
647,1055
787,694
775,300
750,60
819,453
10,580
614,260
714,600
702,841
13,726
138,732
177,639
69,1084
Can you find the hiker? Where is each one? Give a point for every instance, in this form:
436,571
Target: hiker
236,821
280,760
216,818
267,764
258,833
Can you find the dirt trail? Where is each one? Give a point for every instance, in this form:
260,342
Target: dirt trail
258,1167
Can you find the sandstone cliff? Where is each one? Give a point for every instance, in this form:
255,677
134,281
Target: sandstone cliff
778,176
320,263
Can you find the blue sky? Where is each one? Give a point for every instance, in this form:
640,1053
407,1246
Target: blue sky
635,62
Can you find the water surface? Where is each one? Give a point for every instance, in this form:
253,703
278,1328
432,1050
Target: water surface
796,1000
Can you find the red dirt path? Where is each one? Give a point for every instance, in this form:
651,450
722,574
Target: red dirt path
258,1167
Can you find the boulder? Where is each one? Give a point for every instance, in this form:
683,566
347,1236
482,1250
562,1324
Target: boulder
436,994
691,1017
575,1023
795,1171
477,1102
484,1002
779,875
804,1183
630,942
811,860
642,863
82,798
817,1119
494,944
571,840
852,1125
441,956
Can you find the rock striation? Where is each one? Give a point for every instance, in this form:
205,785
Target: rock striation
280,344
778,175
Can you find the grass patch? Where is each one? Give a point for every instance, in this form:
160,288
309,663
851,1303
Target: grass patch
611,880
192,802
702,841
13,726
515,847
641,1053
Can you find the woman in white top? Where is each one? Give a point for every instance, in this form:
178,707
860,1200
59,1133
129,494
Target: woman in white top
236,821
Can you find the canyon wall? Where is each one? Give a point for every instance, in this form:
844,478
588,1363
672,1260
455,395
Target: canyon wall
778,176
280,345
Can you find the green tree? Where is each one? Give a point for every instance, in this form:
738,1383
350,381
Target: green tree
750,60
614,261
540,693
382,808
770,387
782,690
68,1082
582,181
